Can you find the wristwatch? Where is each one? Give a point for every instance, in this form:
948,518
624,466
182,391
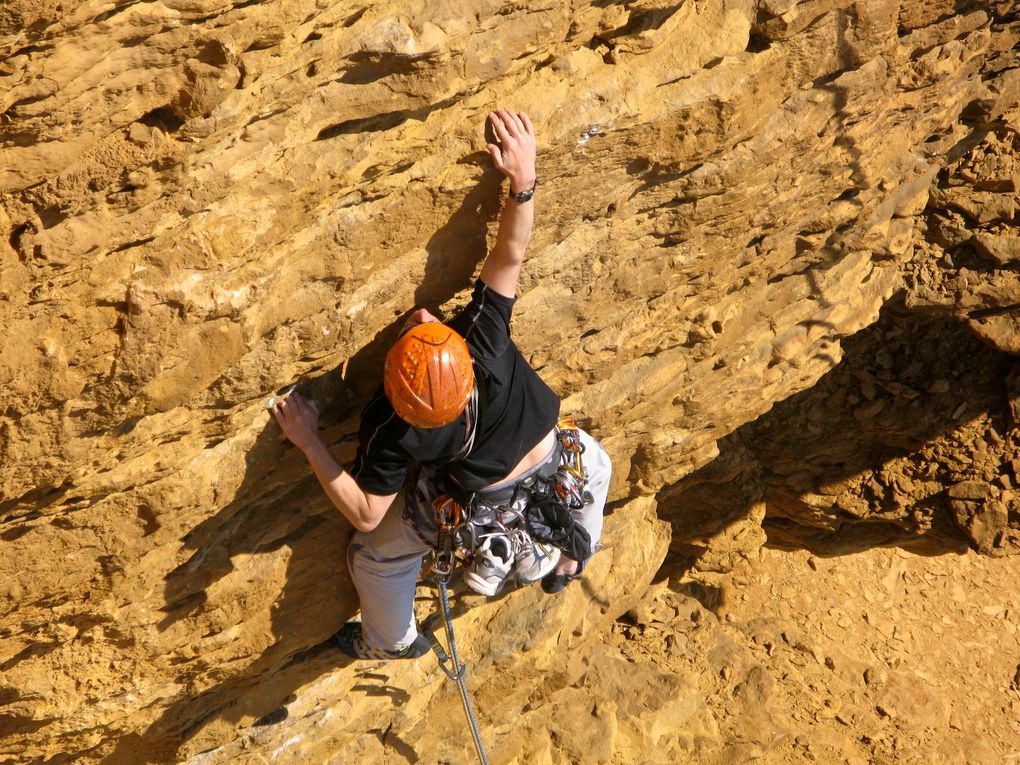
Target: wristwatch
523,196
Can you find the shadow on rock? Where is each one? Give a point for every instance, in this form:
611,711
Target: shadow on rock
456,249
873,455
272,516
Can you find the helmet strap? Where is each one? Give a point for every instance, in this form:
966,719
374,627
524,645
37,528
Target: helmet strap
470,424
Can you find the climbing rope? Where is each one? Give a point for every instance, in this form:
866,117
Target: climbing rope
455,670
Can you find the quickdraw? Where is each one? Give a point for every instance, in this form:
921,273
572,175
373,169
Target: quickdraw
570,480
448,518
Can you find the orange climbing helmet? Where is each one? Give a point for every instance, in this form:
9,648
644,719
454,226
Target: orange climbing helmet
428,376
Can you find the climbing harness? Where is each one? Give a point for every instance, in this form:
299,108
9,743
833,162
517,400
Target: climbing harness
539,504
548,515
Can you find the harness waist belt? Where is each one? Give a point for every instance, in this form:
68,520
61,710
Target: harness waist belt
504,493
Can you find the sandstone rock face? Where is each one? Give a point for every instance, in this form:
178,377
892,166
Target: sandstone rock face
201,203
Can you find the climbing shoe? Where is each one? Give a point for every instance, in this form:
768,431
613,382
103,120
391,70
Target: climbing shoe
556,582
491,564
351,642
534,560
510,554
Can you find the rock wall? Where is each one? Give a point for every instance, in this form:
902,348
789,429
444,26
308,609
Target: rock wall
202,202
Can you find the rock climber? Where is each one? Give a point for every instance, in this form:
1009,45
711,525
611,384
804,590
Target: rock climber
459,405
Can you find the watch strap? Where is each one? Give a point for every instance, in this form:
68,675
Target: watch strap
523,196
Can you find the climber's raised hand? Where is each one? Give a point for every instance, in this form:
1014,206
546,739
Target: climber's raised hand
514,152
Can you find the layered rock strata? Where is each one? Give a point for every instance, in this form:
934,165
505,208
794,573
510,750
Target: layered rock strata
203,202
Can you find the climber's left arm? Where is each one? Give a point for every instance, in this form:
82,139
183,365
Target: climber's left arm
514,156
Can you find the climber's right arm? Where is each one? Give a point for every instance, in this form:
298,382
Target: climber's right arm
299,419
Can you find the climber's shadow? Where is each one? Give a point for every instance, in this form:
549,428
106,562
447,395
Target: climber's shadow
456,248
377,685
